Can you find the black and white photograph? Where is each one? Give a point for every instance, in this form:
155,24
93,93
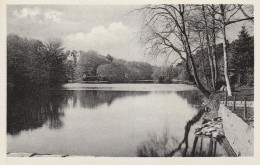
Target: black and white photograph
147,80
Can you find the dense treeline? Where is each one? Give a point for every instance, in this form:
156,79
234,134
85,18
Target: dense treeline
30,63
34,64
93,66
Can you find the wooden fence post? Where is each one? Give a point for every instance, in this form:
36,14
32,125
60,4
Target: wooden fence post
245,109
234,103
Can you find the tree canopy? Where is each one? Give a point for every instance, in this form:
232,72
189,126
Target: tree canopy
31,63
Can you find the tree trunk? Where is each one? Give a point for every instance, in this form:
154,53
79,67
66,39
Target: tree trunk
226,62
215,61
203,64
189,54
190,76
196,78
223,14
210,63
194,70
209,49
214,50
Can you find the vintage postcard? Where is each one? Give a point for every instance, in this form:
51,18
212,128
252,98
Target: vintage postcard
107,82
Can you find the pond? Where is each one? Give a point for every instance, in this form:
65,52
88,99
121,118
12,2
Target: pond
117,120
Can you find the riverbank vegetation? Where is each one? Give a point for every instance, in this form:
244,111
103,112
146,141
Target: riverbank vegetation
194,34
93,66
184,31
32,63
241,71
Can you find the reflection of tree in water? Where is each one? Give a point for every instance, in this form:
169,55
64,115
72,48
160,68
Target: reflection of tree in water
157,146
185,140
30,110
94,98
167,146
193,97
172,150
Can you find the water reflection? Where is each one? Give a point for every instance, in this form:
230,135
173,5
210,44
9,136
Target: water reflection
27,110
185,140
93,99
194,97
31,110
167,145
153,146
103,123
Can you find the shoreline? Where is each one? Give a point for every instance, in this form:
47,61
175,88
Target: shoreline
210,105
234,141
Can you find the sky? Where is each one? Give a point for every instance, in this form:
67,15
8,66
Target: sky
107,29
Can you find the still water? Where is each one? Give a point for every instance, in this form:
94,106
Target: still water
101,120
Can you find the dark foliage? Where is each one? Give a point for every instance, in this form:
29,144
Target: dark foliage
30,63
241,72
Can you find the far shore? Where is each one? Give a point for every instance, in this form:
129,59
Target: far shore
129,86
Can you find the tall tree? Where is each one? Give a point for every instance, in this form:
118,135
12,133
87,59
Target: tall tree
242,50
170,28
55,61
229,14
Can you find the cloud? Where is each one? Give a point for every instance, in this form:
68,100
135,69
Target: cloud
52,15
101,37
47,15
27,12
117,39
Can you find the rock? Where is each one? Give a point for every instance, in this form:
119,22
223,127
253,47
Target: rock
212,124
217,119
208,133
210,129
198,133
199,127
203,131
207,130
215,134
205,119
218,126
221,132
206,125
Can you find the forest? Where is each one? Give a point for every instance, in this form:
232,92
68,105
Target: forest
196,34
34,64
241,62
181,30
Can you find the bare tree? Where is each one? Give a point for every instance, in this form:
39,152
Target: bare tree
177,30
168,30
206,27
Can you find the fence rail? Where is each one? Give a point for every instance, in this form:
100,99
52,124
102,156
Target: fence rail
239,103
245,104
